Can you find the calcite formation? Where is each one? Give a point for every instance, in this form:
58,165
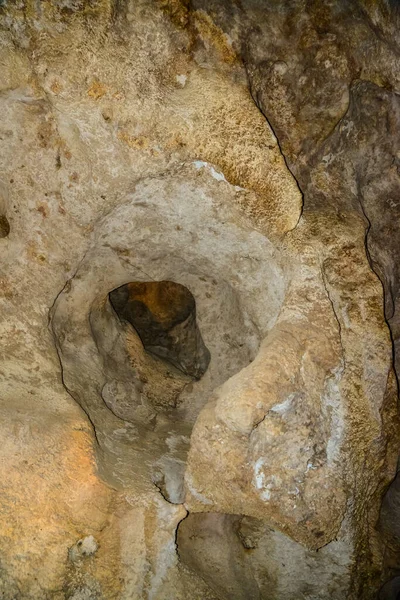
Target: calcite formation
199,288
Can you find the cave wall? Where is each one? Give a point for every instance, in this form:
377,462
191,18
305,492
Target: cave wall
249,152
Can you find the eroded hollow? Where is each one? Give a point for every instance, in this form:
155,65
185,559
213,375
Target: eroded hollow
164,315
217,547
4,226
143,376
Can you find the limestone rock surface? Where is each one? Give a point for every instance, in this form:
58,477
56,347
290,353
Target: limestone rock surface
199,268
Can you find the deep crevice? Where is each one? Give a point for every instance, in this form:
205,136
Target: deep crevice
257,104
4,226
372,265
69,393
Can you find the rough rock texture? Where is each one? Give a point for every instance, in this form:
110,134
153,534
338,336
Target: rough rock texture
247,151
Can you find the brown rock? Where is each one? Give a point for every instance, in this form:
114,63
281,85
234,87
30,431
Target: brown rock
229,433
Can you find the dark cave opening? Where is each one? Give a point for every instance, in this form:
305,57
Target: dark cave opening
163,313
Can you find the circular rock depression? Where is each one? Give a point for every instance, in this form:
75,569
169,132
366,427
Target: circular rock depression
141,394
